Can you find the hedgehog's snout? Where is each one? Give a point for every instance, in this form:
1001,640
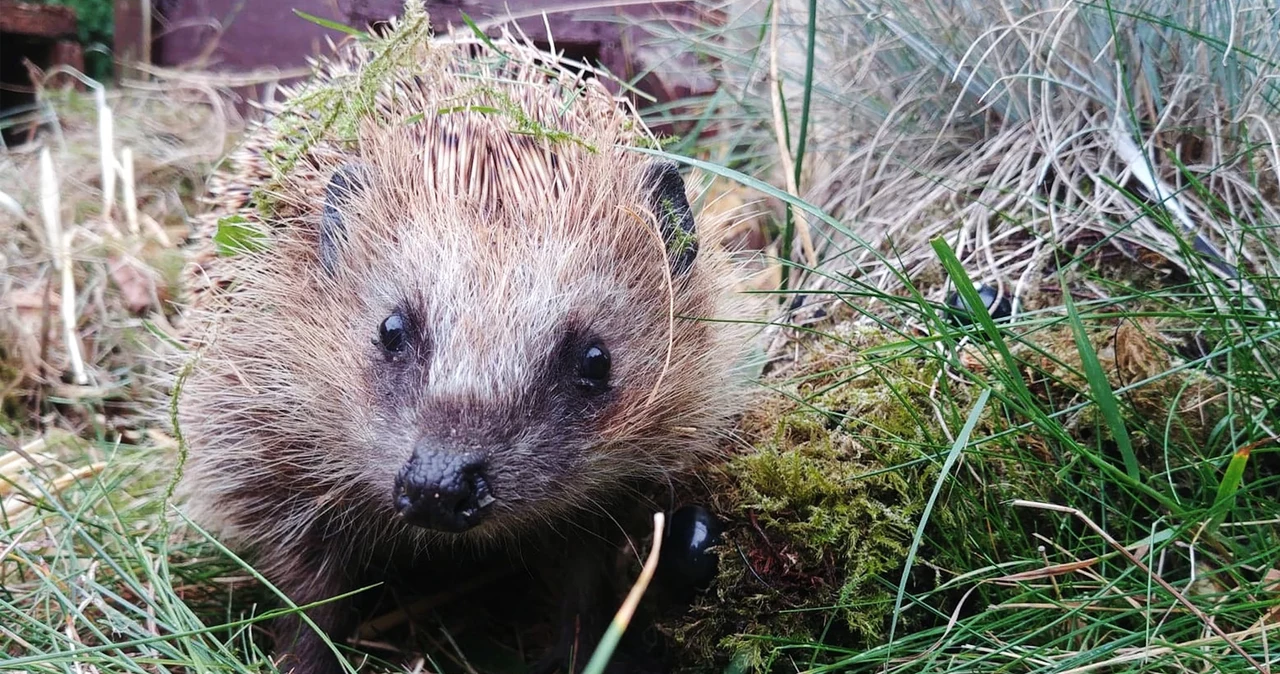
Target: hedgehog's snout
443,490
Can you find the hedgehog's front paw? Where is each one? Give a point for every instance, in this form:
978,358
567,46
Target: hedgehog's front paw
628,658
567,656
307,653
551,663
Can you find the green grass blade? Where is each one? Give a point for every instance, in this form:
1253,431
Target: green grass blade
604,650
1021,396
803,137
292,607
957,448
481,35
1103,396
331,25
978,309
1232,480
789,219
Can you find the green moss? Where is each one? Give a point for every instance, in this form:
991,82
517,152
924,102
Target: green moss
824,506
828,498
681,240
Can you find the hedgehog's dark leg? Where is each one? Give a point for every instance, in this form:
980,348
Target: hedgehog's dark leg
590,595
581,581
299,647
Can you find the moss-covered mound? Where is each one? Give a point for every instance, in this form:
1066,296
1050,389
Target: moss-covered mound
844,451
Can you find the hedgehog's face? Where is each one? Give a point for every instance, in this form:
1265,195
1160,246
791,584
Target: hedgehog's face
484,428
511,383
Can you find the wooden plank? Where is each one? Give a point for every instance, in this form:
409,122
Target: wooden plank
67,53
48,21
132,39
240,36
235,36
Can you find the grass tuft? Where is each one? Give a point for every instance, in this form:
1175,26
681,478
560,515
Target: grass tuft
1105,170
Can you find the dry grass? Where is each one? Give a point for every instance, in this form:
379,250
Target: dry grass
95,204
93,208
929,114
120,245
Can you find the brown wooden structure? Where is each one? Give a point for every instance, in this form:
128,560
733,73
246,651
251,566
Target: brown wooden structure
33,38
238,36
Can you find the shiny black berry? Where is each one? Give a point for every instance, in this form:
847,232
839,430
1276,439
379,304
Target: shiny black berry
687,564
962,314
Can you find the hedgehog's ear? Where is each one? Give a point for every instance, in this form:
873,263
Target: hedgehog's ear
348,180
675,217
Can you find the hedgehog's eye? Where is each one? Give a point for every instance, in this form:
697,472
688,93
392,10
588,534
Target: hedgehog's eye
393,334
595,364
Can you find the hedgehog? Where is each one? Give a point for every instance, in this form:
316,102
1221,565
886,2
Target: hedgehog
448,316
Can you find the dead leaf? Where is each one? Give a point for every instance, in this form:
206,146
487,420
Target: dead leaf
1135,356
135,286
28,299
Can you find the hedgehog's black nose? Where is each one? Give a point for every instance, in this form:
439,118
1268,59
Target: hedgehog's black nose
443,490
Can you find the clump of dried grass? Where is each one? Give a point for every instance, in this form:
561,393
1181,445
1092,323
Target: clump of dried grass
95,204
95,198
1021,131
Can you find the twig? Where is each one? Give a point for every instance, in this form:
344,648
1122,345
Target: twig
130,195
60,250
